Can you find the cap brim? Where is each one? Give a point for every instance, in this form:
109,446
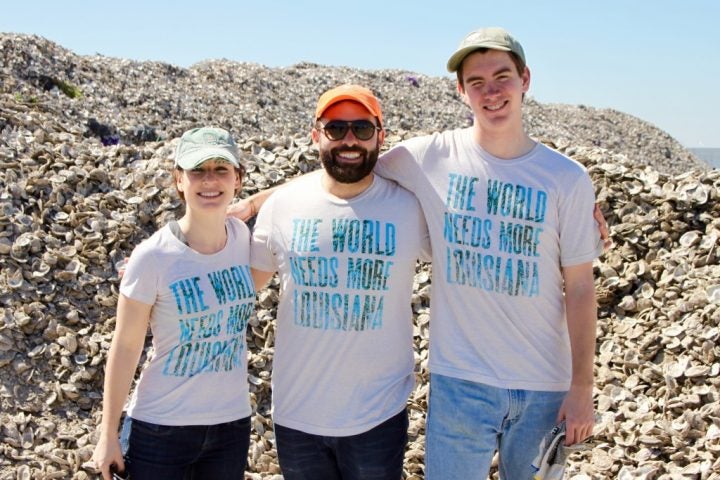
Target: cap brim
192,160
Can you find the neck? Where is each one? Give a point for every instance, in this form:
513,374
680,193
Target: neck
346,190
204,234
505,145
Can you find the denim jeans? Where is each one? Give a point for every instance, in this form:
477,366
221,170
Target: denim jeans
468,421
193,452
373,455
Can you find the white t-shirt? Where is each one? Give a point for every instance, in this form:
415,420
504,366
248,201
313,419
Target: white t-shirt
201,306
344,337
501,232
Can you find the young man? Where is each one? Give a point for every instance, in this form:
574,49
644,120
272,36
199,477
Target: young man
513,303
345,243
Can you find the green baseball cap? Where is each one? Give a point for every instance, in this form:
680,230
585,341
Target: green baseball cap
494,38
201,144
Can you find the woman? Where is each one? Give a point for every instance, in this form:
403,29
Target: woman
189,416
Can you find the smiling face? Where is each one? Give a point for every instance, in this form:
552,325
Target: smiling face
348,160
210,186
493,88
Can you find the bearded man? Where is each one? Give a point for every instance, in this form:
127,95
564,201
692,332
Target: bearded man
345,243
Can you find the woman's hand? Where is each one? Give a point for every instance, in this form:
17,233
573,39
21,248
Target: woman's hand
108,453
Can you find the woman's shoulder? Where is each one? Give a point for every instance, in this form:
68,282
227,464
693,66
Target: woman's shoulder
162,242
238,228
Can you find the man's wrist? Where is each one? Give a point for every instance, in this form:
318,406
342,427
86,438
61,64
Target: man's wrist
582,385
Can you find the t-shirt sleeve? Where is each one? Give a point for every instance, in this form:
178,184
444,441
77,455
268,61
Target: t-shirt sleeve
425,246
261,255
401,163
580,240
140,280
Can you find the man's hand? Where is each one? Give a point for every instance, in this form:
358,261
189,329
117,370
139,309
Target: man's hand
603,227
578,413
243,209
121,266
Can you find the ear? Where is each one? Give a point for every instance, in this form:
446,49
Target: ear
526,79
177,177
461,92
381,137
315,135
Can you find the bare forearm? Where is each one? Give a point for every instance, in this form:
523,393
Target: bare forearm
583,350
248,207
257,199
581,311
119,372
127,344
581,321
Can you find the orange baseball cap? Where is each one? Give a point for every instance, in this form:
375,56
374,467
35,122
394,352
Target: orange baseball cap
354,93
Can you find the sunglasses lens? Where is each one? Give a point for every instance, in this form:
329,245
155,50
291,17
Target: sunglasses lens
363,130
336,130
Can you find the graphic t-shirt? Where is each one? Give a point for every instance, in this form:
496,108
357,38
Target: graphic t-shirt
344,336
197,374
501,232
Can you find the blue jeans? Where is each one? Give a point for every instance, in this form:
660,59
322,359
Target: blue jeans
193,452
373,455
468,421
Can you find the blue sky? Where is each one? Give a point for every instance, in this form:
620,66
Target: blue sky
656,59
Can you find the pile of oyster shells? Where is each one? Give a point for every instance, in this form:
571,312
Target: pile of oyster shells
76,196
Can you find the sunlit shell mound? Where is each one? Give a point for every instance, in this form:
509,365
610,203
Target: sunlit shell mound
86,144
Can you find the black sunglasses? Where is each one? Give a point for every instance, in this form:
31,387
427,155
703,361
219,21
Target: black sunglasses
337,129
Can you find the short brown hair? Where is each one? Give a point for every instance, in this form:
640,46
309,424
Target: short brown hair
519,64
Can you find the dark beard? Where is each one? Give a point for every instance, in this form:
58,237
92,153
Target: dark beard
349,173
